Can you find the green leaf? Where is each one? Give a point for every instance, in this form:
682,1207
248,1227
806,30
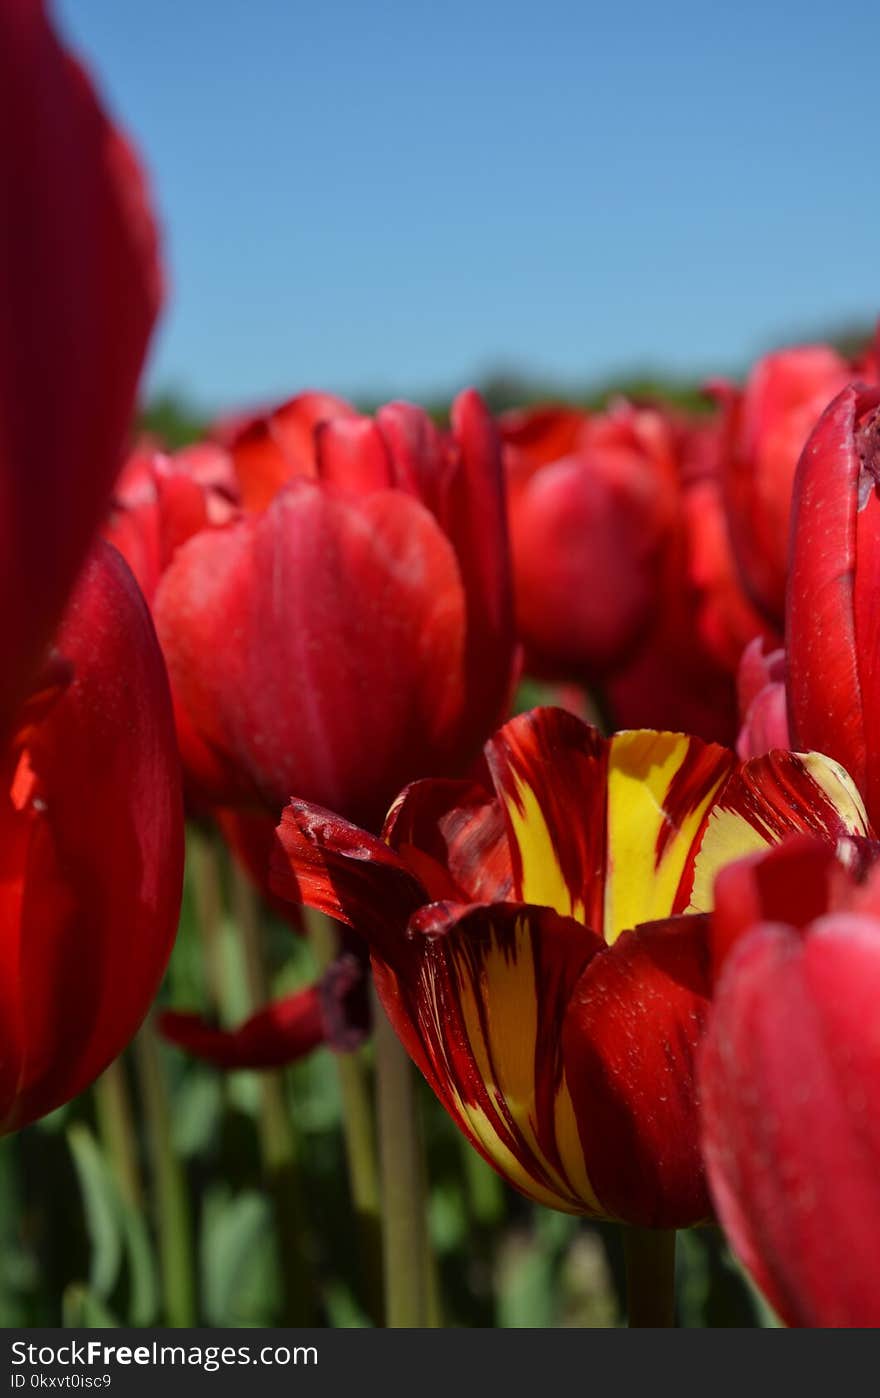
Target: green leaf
240,1279
81,1309
100,1202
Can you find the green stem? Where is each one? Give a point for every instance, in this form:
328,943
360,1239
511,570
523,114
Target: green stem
169,1181
650,1276
404,1221
358,1131
278,1146
203,861
117,1129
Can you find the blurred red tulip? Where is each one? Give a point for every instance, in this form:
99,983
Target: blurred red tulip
790,1084
762,706
725,620
588,534
682,674
160,501
334,1012
275,447
92,848
506,917
833,621
534,437
767,424
356,633
79,285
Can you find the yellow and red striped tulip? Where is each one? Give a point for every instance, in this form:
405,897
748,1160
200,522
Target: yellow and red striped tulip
506,921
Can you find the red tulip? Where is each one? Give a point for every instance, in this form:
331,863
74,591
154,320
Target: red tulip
274,448
92,849
761,694
682,674
790,1084
506,926
833,640
588,535
725,620
534,437
79,285
358,631
161,501
767,426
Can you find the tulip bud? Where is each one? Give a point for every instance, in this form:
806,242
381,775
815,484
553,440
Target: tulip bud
767,425
761,693
589,532
357,632
789,1077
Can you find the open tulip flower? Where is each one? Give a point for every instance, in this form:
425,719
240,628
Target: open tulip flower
833,620
527,945
357,632
790,1079
91,843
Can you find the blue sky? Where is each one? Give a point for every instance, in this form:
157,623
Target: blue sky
394,197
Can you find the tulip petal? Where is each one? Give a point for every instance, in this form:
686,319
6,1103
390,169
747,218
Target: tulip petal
660,788
791,883
827,704
327,863
478,996
275,1036
453,836
548,770
475,520
79,286
352,455
362,684
765,800
631,1034
790,1082
422,463
271,449
101,881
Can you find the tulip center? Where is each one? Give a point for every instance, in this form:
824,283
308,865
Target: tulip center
868,448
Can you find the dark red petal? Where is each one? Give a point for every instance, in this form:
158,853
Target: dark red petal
101,881
282,1033
322,861
790,1084
631,1034
79,286
453,835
